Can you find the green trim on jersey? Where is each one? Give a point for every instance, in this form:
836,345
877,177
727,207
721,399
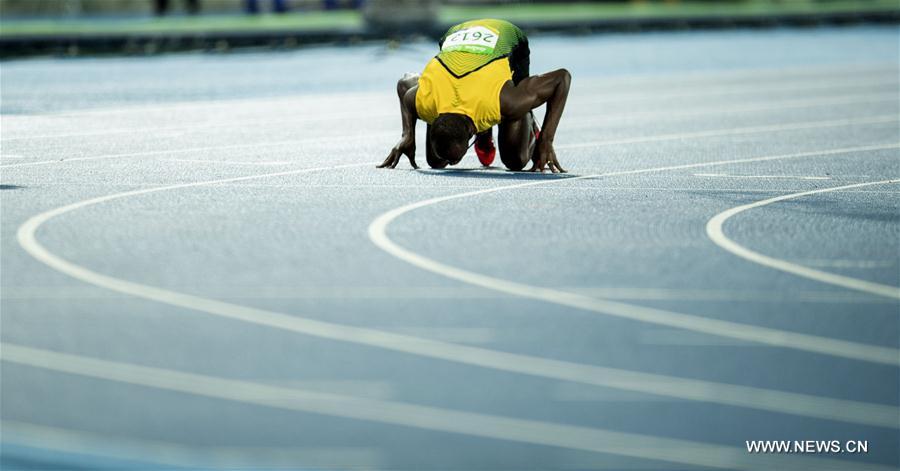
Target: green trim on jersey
474,44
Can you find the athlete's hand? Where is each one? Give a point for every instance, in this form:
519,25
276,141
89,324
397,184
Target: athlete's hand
542,156
406,146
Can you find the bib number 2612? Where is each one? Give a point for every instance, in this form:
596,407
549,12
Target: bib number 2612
477,40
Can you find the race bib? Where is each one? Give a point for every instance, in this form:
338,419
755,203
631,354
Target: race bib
477,40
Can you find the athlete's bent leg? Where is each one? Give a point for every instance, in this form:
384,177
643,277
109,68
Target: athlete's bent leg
516,142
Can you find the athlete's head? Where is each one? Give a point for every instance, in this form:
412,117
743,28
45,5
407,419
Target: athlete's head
450,134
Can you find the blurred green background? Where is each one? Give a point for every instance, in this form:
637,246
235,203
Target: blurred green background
74,27
54,17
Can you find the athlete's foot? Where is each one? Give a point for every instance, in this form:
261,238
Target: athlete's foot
485,150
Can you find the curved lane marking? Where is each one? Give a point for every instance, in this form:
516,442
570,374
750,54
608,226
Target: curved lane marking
717,235
734,330
420,416
879,415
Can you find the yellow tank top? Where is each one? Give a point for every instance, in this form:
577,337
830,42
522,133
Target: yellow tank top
476,95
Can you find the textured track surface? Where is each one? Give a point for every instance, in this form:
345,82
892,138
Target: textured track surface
201,266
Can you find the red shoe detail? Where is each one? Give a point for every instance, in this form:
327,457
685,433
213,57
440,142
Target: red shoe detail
486,155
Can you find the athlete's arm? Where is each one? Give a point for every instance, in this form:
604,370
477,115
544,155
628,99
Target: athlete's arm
406,92
516,101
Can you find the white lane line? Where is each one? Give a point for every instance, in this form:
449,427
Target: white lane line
680,338
579,188
153,453
767,177
256,123
181,108
586,121
668,294
232,162
735,330
754,74
200,149
418,416
681,388
717,235
464,335
751,88
574,392
736,131
381,390
846,263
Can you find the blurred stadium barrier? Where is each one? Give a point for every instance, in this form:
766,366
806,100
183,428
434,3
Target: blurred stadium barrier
398,16
63,8
376,7
73,27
